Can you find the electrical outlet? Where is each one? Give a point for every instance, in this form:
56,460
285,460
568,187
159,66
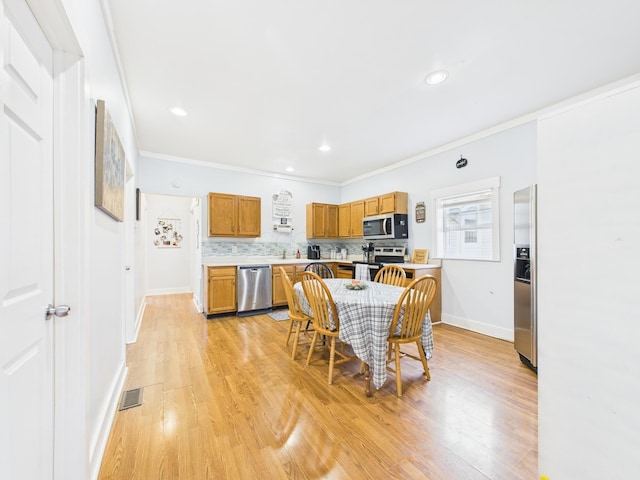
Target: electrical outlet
234,249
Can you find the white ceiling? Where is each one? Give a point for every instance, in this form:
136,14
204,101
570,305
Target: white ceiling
265,82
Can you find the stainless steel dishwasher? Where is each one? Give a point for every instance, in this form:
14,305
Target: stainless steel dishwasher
254,289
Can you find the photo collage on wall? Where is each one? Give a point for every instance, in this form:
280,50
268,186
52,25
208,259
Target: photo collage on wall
168,233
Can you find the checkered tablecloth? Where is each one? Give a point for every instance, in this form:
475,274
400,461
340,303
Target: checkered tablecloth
365,319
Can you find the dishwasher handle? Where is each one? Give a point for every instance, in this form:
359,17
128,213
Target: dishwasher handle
254,268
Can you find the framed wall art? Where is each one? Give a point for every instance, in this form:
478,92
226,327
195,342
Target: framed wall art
109,166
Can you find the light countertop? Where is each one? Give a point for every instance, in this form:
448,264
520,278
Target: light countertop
257,260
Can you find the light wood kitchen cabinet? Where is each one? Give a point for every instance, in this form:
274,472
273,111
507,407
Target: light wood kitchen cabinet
234,215
350,215
332,221
221,290
322,220
394,202
249,219
357,214
435,311
350,219
344,270
371,206
344,220
279,297
299,269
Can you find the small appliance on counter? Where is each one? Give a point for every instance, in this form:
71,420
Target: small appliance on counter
367,253
313,252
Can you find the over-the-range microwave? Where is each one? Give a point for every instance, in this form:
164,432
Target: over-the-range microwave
393,225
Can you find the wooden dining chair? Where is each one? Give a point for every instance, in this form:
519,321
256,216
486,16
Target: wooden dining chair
325,320
298,319
391,275
406,326
321,269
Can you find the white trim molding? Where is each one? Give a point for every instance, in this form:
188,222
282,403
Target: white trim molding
478,327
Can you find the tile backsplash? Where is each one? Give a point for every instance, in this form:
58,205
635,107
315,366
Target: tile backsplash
216,248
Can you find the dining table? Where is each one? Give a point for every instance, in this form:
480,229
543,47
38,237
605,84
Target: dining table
365,317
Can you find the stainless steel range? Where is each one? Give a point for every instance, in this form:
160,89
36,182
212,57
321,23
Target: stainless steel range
381,256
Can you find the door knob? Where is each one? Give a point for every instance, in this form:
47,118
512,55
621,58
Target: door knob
59,311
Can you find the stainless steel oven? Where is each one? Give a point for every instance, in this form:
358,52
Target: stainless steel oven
381,256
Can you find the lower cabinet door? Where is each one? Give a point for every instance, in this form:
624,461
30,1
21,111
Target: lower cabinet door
221,294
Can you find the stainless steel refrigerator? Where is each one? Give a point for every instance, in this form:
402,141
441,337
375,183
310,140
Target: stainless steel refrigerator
525,276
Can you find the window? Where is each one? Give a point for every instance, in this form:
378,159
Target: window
467,221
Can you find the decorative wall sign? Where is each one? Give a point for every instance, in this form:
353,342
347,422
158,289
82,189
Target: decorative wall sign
168,233
109,166
421,212
282,203
282,208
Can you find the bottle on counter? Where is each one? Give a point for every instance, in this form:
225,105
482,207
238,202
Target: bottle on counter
298,253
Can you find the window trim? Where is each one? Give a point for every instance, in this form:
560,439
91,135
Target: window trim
493,184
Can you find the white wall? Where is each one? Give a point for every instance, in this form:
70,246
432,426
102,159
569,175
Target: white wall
158,176
476,295
168,269
589,302
104,242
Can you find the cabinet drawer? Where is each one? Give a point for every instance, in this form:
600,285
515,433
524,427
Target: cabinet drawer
345,271
221,271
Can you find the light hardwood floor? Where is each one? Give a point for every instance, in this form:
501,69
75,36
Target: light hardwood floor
223,400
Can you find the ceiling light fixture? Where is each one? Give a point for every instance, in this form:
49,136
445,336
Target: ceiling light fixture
178,112
434,78
324,147
289,169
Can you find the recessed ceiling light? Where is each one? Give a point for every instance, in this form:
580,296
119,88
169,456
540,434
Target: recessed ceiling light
434,78
179,112
289,169
324,147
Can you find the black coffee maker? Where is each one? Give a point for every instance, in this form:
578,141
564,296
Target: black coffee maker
313,252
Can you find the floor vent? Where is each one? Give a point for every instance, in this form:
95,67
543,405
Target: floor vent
131,398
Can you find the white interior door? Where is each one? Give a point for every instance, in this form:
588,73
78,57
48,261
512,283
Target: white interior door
26,256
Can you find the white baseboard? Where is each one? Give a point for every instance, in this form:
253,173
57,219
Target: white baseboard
99,441
139,318
169,291
199,306
479,327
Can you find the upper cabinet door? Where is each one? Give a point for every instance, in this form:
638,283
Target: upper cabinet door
394,202
234,216
322,220
371,206
344,220
357,213
222,215
331,228
249,216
